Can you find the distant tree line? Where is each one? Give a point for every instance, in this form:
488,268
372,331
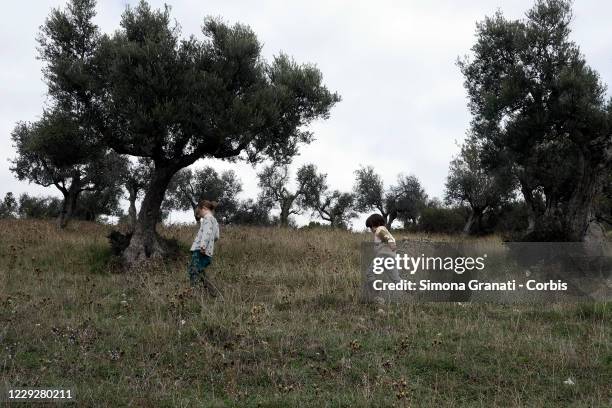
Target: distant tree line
91,207
468,208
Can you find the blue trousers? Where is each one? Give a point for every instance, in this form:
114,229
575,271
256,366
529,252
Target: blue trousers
198,263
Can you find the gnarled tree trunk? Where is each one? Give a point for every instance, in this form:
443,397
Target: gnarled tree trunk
285,207
468,225
571,219
579,210
145,242
476,214
69,204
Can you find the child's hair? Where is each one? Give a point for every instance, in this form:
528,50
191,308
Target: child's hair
375,220
211,205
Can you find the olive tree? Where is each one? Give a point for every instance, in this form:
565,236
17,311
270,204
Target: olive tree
176,100
61,148
8,206
274,182
468,182
51,152
333,206
403,200
408,198
337,208
540,111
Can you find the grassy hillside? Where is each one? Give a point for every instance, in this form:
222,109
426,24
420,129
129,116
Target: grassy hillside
291,331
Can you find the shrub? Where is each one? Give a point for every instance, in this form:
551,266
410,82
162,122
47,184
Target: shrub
442,220
39,207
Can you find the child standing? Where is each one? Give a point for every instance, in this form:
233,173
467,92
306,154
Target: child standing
203,246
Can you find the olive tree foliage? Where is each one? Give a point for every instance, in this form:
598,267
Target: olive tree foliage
539,110
188,188
408,199
370,194
337,208
92,205
8,206
274,181
49,153
403,201
38,207
61,149
332,206
252,212
176,100
468,182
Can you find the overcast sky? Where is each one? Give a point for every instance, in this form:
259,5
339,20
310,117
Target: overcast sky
393,63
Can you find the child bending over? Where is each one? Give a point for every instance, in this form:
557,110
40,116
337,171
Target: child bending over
384,247
376,224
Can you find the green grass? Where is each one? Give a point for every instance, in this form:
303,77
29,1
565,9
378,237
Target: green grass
291,332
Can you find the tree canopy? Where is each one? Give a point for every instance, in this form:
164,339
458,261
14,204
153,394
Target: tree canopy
177,100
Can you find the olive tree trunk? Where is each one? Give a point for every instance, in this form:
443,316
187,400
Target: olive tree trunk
571,220
145,242
69,203
285,211
579,213
468,224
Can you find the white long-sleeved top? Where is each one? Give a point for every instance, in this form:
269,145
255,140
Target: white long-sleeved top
207,234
